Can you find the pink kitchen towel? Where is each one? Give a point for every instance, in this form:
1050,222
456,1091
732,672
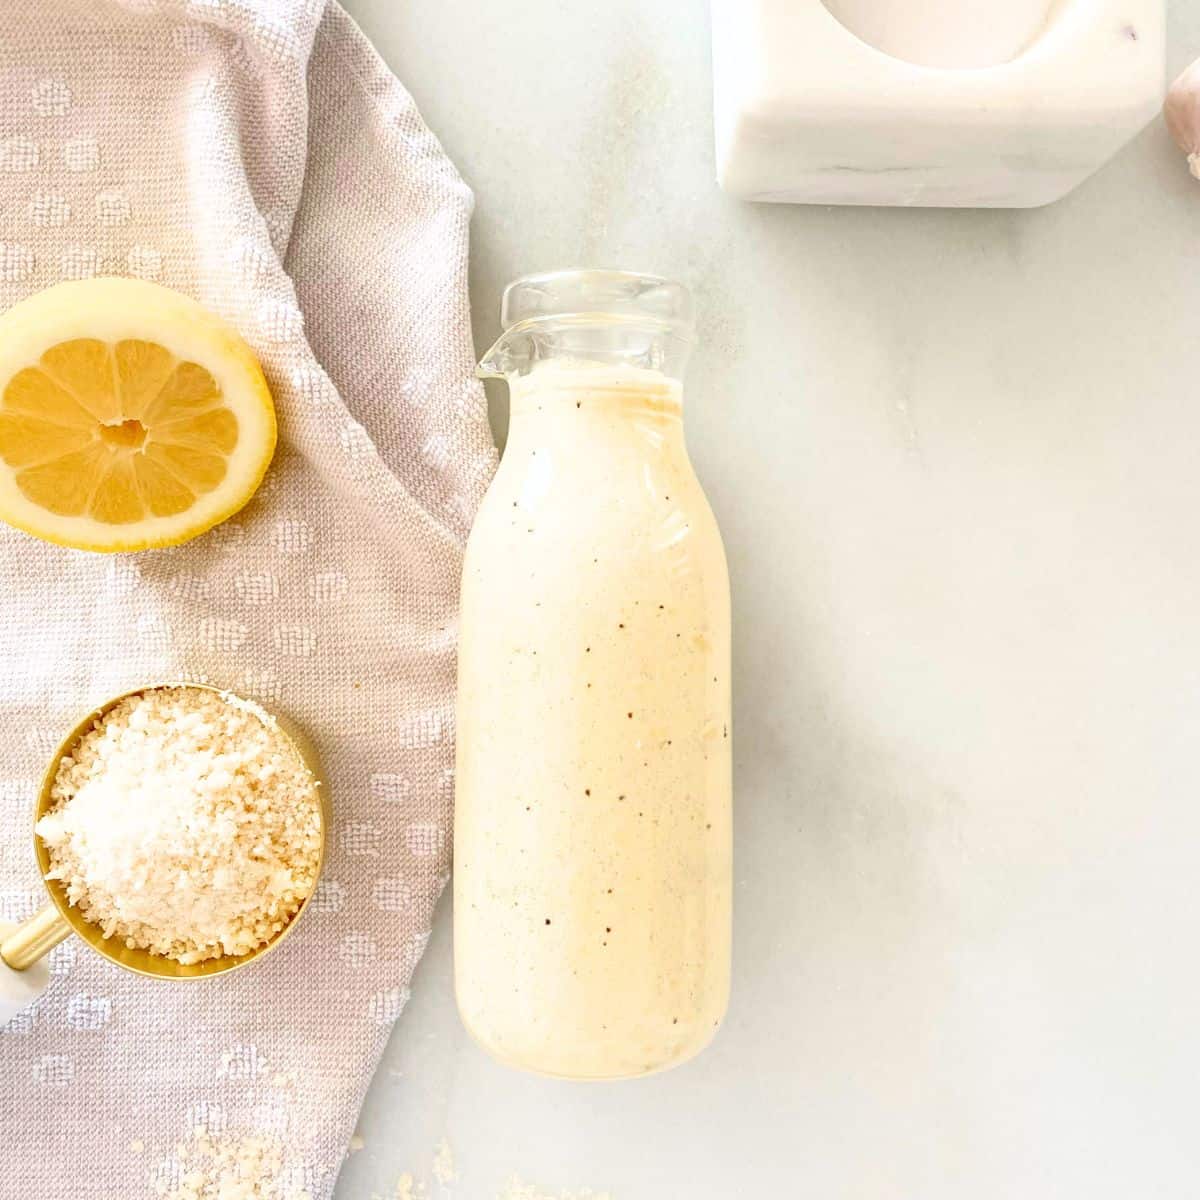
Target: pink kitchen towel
258,155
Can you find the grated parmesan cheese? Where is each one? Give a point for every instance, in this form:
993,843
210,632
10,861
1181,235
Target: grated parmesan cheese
185,824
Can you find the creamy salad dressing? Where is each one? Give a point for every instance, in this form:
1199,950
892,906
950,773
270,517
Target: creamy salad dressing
593,841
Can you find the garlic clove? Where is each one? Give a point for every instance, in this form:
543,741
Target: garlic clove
1182,113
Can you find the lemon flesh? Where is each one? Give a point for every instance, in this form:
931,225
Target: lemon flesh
130,416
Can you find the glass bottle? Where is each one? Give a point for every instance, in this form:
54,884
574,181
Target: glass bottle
593,823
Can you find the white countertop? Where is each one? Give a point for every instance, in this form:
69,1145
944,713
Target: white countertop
956,458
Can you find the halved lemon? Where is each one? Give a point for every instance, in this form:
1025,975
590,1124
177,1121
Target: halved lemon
130,416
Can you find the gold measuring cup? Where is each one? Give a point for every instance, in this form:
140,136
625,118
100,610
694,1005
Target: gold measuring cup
23,947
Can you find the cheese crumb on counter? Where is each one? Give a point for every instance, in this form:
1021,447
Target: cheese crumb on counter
518,1189
443,1163
185,823
409,1189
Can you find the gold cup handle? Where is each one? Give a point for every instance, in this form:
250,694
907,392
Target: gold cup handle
34,939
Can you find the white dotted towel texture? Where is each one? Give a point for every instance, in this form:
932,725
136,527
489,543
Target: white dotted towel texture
257,154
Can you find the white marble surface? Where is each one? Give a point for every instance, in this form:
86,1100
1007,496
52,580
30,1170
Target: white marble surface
955,456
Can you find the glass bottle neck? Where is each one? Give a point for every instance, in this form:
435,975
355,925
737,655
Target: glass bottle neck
587,340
